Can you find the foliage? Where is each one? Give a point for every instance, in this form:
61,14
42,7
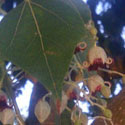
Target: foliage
51,41
43,36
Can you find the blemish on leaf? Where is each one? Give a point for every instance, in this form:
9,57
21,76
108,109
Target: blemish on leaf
50,53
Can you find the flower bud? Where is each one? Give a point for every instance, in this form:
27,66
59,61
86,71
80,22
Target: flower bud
95,81
7,116
42,110
96,58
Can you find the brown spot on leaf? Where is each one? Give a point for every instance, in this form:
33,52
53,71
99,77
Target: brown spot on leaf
50,53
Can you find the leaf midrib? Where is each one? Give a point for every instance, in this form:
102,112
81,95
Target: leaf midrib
42,47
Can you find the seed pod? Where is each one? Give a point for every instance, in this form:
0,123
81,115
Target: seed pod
107,113
7,116
42,110
105,90
95,81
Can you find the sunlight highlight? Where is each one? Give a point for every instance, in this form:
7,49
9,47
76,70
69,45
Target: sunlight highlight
101,27
1,17
85,1
84,106
23,99
123,35
90,121
118,89
102,7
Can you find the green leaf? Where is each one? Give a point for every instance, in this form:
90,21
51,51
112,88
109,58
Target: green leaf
40,37
81,8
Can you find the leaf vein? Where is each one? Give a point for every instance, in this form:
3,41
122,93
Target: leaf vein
77,11
17,25
51,12
42,46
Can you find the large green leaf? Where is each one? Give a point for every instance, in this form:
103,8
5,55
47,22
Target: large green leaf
40,36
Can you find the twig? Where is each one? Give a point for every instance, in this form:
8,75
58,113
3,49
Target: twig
93,103
18,115
86,96
78,63
105,122
13,69
104,118
48,94
92,97
12,95
17,75
68,109
111,72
